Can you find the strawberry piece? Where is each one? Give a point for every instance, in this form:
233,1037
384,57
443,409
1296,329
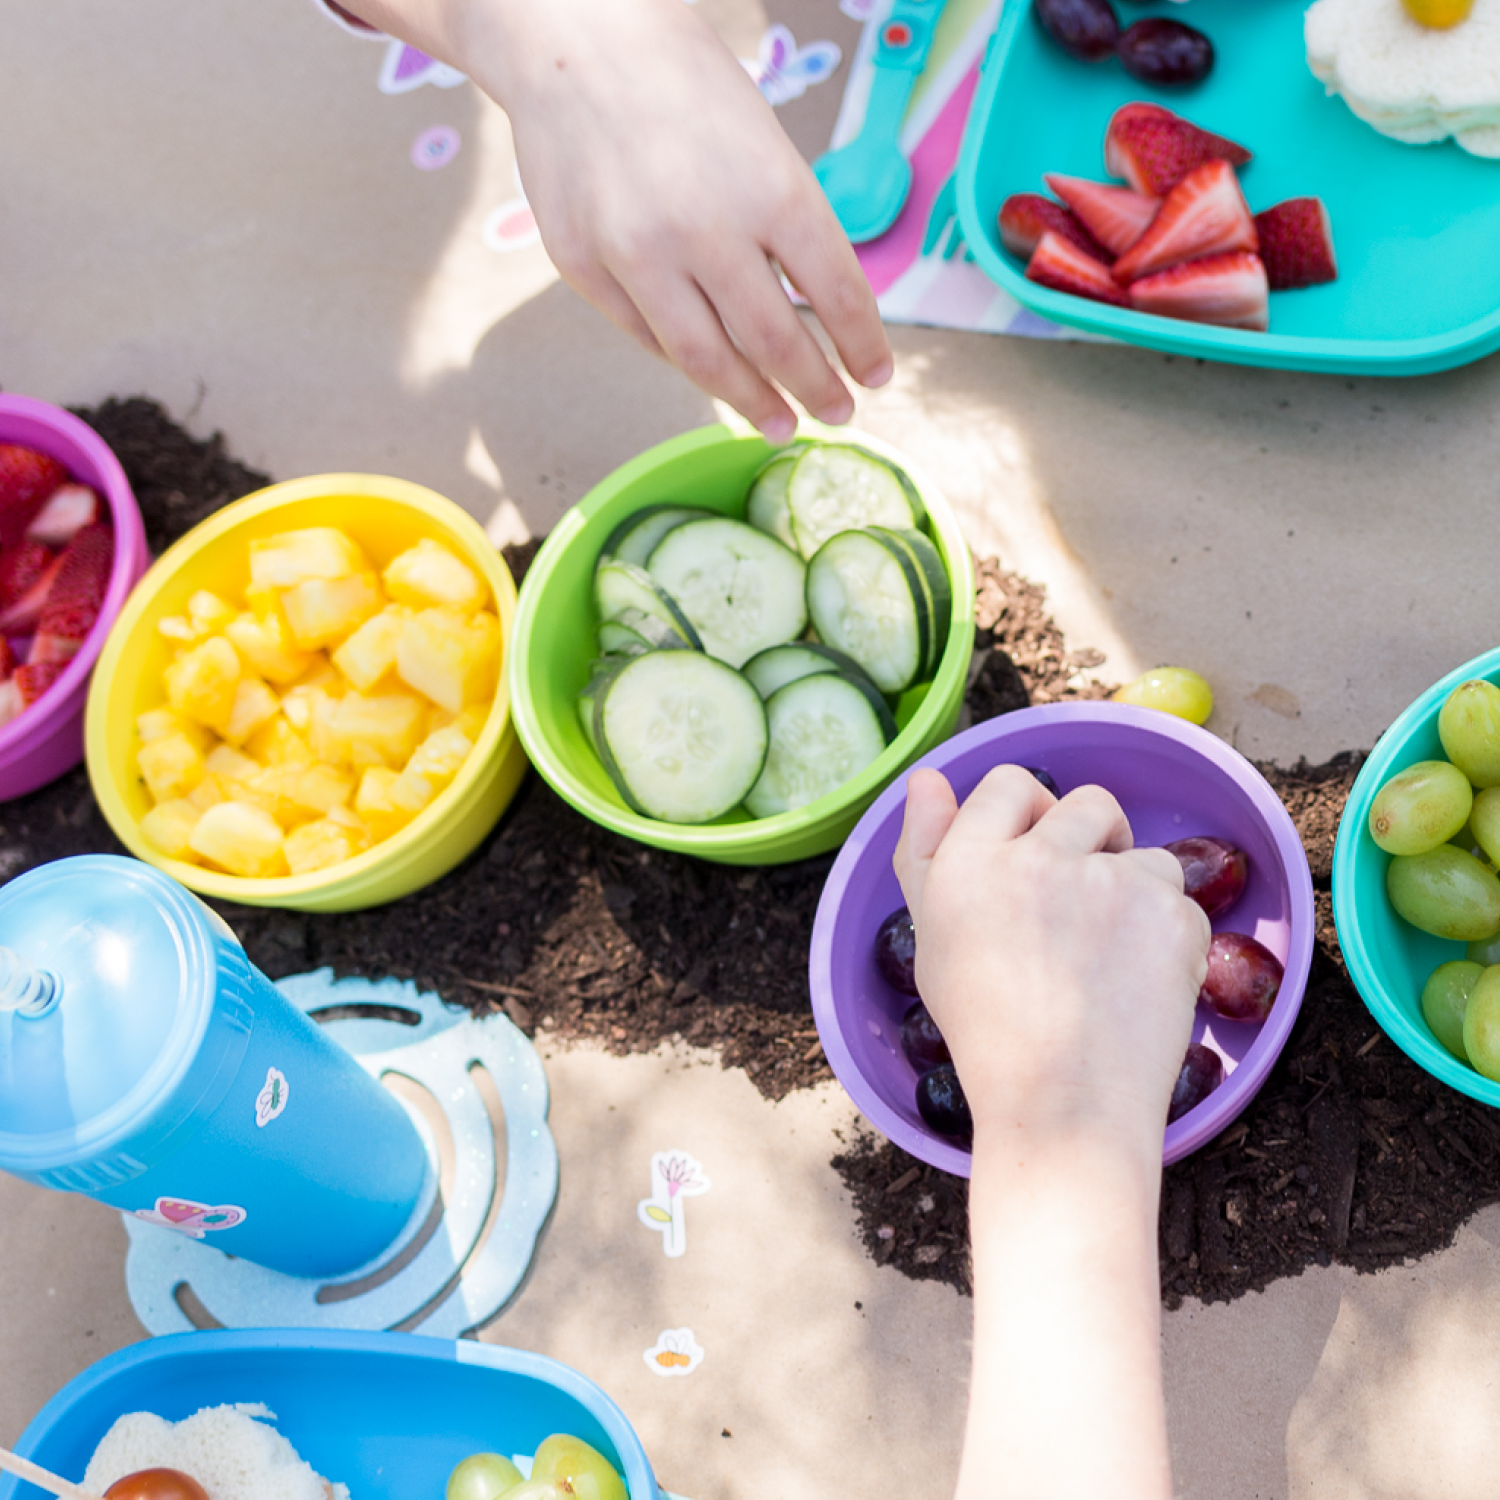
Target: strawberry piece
20,567
1117,217
1296,243
76,596
25,685
26,479
1153,149
1060,264
1228,290
7,659
69,507
1205,214
20,617
1026,217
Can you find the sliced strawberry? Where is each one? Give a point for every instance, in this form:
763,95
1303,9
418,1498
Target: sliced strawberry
1205,214
1026,217
1153,149
20,567
26,479
7,659
25,685
1229,290
1117,217
76,596
1060,264
21,616
1296,243
66,509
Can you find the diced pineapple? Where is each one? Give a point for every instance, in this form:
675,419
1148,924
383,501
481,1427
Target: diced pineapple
321,682
178,628
168,827
321,788
348,819
170,766
240,838
201,682
278,744
158,723
473,719
450,659
322,734
370,652
265,641
434,763
322,611
373,803
226,761
254,704
430,573
383,728
209,792
209,612
285,560
271,791
318,846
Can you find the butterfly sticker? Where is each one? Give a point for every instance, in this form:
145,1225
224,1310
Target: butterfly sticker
405,69
675,1352
859,10
272,1098
783,71
189,1217
512,226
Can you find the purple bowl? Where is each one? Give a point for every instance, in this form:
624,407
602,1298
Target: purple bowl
1174,780
41,744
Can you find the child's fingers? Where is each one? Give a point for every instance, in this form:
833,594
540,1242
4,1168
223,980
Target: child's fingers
1161,863
599,287
1087,821
930,810
1008,802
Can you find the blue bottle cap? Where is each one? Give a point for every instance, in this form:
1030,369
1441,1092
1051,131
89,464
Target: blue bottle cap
110,1035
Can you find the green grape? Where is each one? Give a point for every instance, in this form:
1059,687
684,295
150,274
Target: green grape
482,1476
1482,1024
1469,727
1484,823
1445,996
577,1469
536,1489
1174,690
1445,892
1484,952
1421,807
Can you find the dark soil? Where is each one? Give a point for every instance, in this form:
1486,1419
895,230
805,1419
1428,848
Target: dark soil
1349,1153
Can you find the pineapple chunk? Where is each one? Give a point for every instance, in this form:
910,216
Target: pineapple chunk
240,838
208,612
322,788
178,628
170,766
434,763
370,652
278,744
271,790
322,682
451,660
168,828
285,560
382,729
374,805
327,747
226,761
265,641
254,704
201,683
158,723
346,817
209,792
317,846
430,573
322,611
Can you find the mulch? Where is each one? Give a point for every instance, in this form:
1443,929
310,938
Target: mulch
1350,1152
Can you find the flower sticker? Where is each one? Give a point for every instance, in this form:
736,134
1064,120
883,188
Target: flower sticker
272,1098
675,1352
783,71
675,1176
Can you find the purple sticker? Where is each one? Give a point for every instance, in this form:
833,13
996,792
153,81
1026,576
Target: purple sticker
435,148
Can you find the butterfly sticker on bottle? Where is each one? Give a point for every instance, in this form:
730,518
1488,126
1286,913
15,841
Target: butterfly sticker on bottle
783,71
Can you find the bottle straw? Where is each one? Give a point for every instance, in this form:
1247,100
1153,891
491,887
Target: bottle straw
34,1474
23,988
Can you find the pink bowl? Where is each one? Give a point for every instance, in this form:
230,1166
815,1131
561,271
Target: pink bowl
1173,779
41,744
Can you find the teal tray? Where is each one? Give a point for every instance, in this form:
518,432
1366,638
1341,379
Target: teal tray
1414,227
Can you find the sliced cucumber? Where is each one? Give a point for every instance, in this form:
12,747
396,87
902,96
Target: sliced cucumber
836,487
867,599
765,506
632,633
682,736
776,666
599,674
742,589
637,536
934,578
825,729
621,586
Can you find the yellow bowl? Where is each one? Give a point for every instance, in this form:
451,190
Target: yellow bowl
385,516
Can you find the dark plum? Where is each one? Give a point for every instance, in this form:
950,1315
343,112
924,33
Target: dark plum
1046,780
1202,1072
921,1040
1086,28
896,951
1163,51
941,1103
1243,978
1214,872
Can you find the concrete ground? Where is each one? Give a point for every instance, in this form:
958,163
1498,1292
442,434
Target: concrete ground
216,206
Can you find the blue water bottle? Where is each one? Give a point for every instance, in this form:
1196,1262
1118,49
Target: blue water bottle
146,1062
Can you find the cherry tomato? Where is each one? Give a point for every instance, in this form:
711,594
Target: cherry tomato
156,1484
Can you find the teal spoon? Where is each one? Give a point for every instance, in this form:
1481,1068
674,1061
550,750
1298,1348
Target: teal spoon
868,181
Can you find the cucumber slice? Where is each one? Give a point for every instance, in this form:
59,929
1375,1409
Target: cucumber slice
682,736
837,487
637,536
824,731
599,674
621,586
742,589
633,632
934,578
776,666
867,599
765,506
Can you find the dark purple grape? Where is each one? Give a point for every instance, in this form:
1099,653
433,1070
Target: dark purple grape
1046,779
1159,50
941,1103
1243,978
1086,28
921,1040
896,952
1214,872
1202,1072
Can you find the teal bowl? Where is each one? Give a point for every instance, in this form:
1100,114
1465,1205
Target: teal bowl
1403,216
1388,959
552,644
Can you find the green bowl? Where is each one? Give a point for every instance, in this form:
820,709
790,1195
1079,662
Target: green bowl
552,644
1388,959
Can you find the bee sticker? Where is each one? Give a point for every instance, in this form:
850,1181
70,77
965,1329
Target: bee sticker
675,1352
674,1176
272,1098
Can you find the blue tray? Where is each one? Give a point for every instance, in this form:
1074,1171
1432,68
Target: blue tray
1415,228
389,1414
